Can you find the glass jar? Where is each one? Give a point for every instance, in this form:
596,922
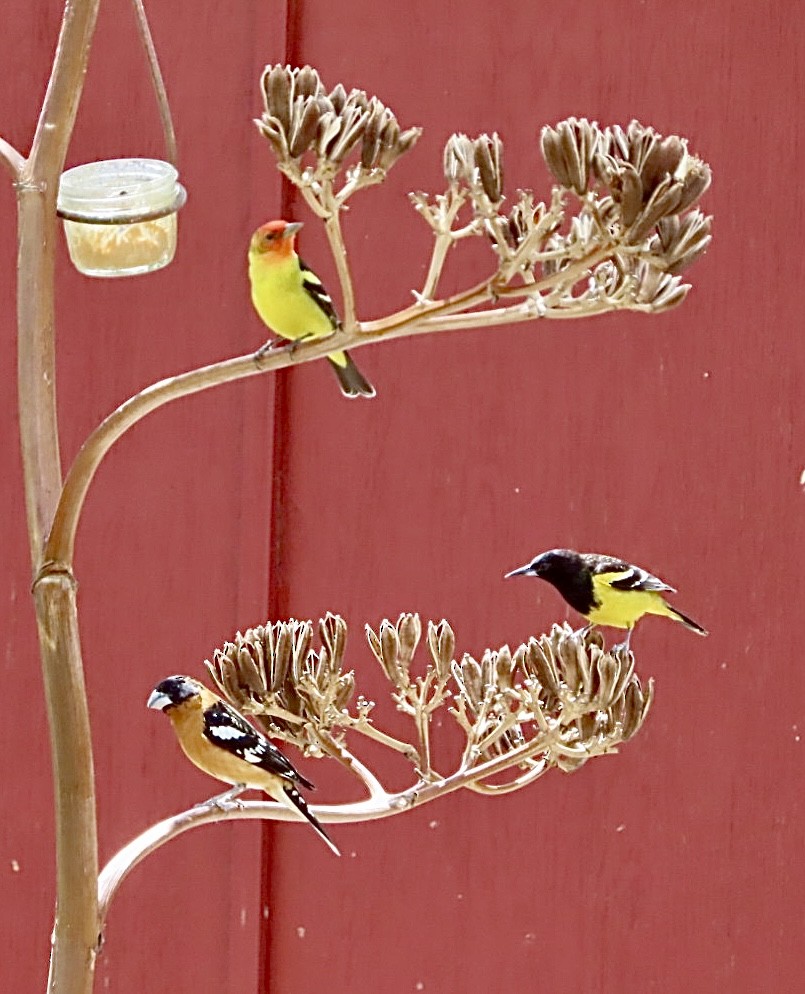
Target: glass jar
120,215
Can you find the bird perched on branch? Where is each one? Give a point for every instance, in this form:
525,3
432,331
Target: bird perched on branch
607,591
292,301
219,741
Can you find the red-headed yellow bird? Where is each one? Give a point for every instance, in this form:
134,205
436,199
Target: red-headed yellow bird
218,740
607,591
291,300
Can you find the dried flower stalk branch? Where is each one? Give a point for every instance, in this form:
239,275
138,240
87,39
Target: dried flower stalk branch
623,204
313,132
634,230
555,703
562,697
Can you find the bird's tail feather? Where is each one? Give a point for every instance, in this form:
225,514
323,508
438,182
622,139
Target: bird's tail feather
295,800
686,621
351,380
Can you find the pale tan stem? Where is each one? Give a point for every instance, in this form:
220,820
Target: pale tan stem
328,206
346,758
76,932
124,861
335,237
540,769
497,732
442,224
414,313
36,360
310,198
13,160
60,545
441,246
526,312
567,276
374,733
422,721
482,292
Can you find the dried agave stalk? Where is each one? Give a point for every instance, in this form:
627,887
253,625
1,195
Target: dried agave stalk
556,701
619,229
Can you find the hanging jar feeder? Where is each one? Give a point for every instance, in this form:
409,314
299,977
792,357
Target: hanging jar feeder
120,215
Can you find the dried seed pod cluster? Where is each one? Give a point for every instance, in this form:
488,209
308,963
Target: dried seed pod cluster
477,164
681,240
562,688
572,673
620,227
556,701
526,221
633,217
648,176
273,672
569,150
304,123
394,646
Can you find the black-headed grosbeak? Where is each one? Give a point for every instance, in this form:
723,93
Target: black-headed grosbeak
219,741
607,591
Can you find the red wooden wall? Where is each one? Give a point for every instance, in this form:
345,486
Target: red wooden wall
674,440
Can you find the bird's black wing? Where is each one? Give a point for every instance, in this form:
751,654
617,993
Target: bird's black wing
625,576
315,288
228,730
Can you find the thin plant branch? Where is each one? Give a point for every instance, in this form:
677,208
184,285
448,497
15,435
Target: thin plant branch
124,861
341,754
13,160
492,789
332,226
413,321
364,727
554,659
442,221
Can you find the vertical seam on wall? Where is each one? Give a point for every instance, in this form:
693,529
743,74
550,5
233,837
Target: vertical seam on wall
290,19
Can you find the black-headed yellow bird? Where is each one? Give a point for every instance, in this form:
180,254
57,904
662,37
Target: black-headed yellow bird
219,741
292,301
607,591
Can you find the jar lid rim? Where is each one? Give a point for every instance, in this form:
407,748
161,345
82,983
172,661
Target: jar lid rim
117,186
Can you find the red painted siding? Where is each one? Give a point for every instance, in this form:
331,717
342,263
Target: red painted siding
676,441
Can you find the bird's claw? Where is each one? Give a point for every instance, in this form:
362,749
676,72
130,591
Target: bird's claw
623,646
275,344
269,346
226,801
294,345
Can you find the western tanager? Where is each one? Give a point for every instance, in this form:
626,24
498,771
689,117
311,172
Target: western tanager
219,741
292,301
605,590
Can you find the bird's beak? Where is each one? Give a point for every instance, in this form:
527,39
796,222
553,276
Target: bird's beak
292,228
158,701
522,571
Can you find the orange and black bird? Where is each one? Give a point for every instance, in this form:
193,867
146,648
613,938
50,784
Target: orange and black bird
605,590
219,741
